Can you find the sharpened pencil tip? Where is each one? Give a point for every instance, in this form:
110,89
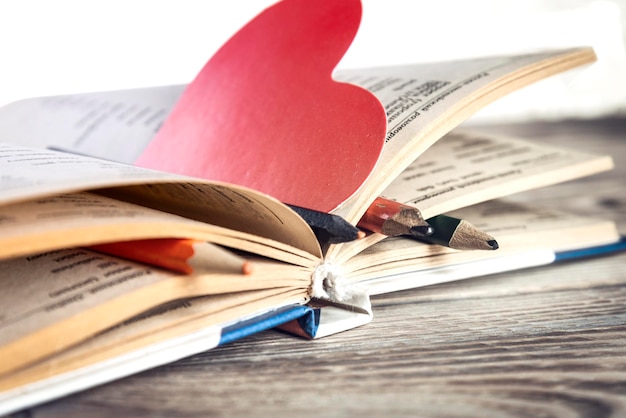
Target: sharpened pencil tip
493,244
361,235
421,231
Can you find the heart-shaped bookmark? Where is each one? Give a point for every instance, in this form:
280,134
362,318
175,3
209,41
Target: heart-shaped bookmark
265,113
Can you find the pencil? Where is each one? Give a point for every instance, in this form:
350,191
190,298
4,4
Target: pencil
391,218
459,234
328,228
181,255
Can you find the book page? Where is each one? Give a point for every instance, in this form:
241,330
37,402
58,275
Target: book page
466,168
425,101
83,219
518,228
163,324
422,102
112,125
52,300
28,173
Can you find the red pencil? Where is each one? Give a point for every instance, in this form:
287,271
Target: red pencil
182,255
392,219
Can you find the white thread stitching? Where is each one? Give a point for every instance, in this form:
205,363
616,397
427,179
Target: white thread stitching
328,283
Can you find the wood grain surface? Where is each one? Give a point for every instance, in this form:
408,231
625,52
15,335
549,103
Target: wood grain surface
543,342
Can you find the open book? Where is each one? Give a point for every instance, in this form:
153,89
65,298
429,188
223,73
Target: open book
72,317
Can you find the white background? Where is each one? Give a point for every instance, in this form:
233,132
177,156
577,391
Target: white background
50,47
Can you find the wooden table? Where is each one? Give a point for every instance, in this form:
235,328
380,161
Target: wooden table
548,341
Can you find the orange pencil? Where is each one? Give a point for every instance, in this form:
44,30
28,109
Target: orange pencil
392,219
182,255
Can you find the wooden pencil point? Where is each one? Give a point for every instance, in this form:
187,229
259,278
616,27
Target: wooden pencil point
392,218
361,235
459,234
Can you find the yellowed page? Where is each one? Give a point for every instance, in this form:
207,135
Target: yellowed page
518,229
425,101
28,173
53,300
422,101
83,219
466,168
161,324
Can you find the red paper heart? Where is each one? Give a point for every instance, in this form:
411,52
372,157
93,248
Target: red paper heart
265,113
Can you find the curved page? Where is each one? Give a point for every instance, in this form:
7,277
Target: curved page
31,174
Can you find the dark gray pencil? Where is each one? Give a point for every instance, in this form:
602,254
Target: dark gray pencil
328,228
